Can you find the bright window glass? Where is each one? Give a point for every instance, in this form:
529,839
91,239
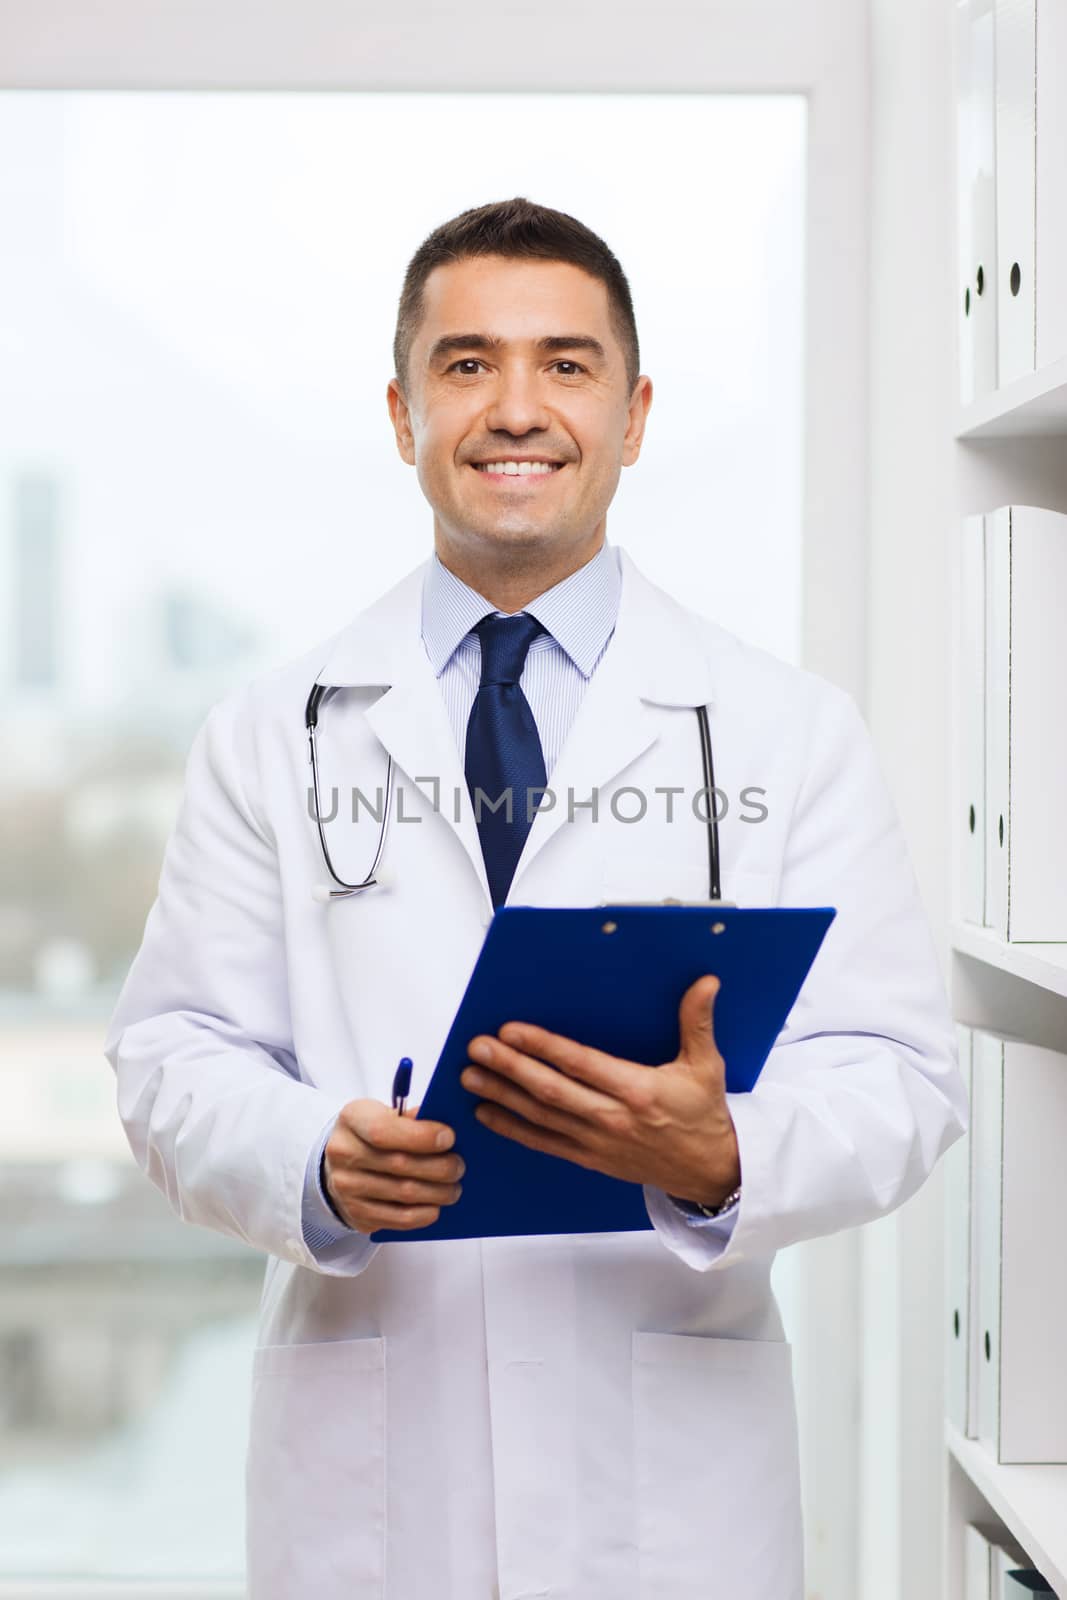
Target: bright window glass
198,480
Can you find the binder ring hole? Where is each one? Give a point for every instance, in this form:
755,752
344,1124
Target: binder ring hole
970,818
1000,830
1016,278
979,281
608,927
718,927
956,1323
988,1346
967,301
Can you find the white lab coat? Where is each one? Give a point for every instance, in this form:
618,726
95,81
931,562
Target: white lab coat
598,1417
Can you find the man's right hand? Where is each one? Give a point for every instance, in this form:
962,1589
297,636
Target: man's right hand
388,1171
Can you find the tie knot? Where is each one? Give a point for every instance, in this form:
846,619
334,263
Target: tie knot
505,642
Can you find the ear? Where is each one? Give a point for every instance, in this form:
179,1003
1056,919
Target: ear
640,401
400,416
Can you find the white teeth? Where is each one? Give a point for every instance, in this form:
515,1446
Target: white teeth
516,469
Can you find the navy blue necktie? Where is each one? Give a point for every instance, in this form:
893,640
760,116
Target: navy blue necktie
503,757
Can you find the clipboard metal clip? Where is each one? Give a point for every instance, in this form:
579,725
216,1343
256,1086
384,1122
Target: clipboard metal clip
669,900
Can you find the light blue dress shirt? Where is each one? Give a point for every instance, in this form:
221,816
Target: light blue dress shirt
579,615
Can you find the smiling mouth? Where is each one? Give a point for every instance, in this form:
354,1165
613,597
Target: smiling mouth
526,479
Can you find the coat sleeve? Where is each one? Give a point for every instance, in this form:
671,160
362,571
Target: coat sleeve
862,1092
209,1089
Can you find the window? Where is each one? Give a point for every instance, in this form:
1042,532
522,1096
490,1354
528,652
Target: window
197,480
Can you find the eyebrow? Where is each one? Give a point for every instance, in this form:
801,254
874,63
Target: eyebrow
449,343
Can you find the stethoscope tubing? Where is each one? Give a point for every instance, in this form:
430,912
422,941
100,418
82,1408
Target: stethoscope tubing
311,718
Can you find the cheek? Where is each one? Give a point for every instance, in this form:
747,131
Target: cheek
599,442
435,467
438,437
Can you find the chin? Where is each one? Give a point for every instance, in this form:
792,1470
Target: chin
505,534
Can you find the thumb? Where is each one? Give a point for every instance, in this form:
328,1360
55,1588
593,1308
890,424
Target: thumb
696,1022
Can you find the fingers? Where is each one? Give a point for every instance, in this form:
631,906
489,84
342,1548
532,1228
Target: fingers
370,1215
399,1164
561,1091
696,1025
534,1138
699,999
363,1185
378,1125
385,1171
368,1199
579,1062
547,1083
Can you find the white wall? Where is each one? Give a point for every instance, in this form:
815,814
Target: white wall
912,388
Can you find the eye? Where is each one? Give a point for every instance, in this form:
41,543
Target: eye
473,361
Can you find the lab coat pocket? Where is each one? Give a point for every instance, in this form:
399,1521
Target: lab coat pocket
716,1468
315,1471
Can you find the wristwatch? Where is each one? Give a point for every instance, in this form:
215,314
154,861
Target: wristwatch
695,1209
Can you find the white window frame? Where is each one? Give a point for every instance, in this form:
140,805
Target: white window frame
818,49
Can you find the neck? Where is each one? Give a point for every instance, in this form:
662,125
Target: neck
511,578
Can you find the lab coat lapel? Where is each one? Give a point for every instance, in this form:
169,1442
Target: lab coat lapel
412,722
384,647
654,658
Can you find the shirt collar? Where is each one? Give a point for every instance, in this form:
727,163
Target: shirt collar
579,611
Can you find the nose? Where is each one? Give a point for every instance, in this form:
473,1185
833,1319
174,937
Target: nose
517,405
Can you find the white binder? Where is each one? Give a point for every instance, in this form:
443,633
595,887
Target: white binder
977,1565
989,1554
997,674
1019,1109
1026,711
1016,133
970,830
1051,209
976,180
960,1375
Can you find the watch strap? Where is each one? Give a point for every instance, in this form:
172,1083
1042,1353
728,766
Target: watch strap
695,1209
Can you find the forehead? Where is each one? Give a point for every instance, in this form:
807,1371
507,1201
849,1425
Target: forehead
512,299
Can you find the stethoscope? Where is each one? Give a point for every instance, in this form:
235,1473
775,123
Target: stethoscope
380,877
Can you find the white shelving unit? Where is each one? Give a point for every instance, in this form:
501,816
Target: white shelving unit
1034,406
1042,964
1011,446
1028,1500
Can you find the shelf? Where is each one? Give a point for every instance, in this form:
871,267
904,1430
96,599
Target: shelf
1043,964
1036,404
1031,1501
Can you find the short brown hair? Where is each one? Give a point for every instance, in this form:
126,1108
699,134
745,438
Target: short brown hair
518,229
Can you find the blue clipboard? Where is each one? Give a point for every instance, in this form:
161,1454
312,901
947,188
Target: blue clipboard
611,977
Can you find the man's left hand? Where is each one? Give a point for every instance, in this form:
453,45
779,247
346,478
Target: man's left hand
668,1126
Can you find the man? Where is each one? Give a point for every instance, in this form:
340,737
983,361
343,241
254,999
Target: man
594,1416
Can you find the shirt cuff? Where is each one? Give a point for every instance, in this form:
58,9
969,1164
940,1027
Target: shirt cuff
320,1224
700,1241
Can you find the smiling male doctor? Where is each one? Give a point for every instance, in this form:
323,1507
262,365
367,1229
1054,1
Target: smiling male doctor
598,1417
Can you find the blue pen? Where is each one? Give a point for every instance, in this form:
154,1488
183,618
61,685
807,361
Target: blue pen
402,1084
